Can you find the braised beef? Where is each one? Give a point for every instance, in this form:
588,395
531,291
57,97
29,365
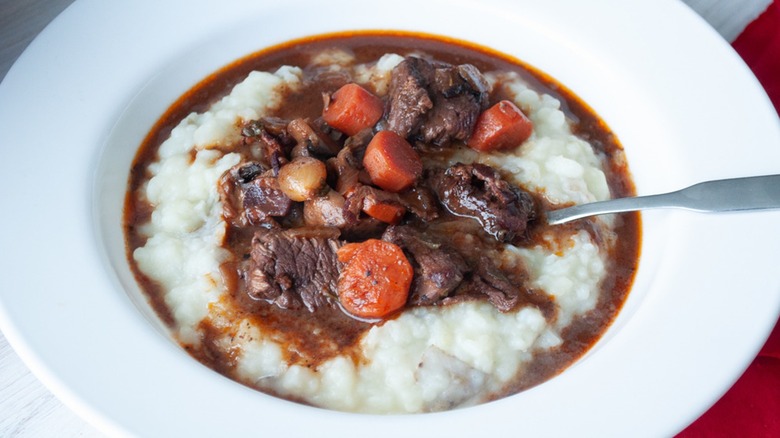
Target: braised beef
478,191
443,276
421,202
435,104
505,293
294,267
366,228
491,282
263,198
438,268
250,195
409,99
457,102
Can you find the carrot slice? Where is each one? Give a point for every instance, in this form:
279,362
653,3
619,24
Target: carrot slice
351,109
386,212
375,279
391,162
502,126
346,252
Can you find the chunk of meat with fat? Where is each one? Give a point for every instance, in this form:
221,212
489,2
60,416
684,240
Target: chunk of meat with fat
421,202
488,280
250,195
435,103
295,267
478,191
409,98
438,268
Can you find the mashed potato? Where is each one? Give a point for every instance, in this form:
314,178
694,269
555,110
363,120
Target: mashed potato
427,359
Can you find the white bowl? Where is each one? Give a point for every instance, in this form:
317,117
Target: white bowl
77,104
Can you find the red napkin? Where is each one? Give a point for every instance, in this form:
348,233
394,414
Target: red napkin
751,408
759,46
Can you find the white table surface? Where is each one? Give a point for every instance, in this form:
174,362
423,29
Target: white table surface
27,408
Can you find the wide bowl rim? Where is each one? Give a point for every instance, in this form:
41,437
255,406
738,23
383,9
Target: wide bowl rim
78,28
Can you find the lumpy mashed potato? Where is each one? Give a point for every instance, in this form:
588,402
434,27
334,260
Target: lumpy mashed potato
426,359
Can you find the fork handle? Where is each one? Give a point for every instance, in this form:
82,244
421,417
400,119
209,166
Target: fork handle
736,194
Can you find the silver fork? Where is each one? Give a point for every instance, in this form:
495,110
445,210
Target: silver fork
736,194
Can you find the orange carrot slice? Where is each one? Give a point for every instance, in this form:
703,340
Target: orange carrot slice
502,126
375,279
391,162
352,108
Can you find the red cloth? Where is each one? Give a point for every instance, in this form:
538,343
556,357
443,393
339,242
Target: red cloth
751,408
759,46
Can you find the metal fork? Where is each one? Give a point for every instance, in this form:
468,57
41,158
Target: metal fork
736,194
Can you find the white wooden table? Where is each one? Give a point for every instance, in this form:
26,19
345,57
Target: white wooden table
27,408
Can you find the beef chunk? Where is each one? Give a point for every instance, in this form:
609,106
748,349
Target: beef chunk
263,198
409,98
250,195
438,269
478,191
435,104
421,201
488,280
294,268
456,104
504,293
